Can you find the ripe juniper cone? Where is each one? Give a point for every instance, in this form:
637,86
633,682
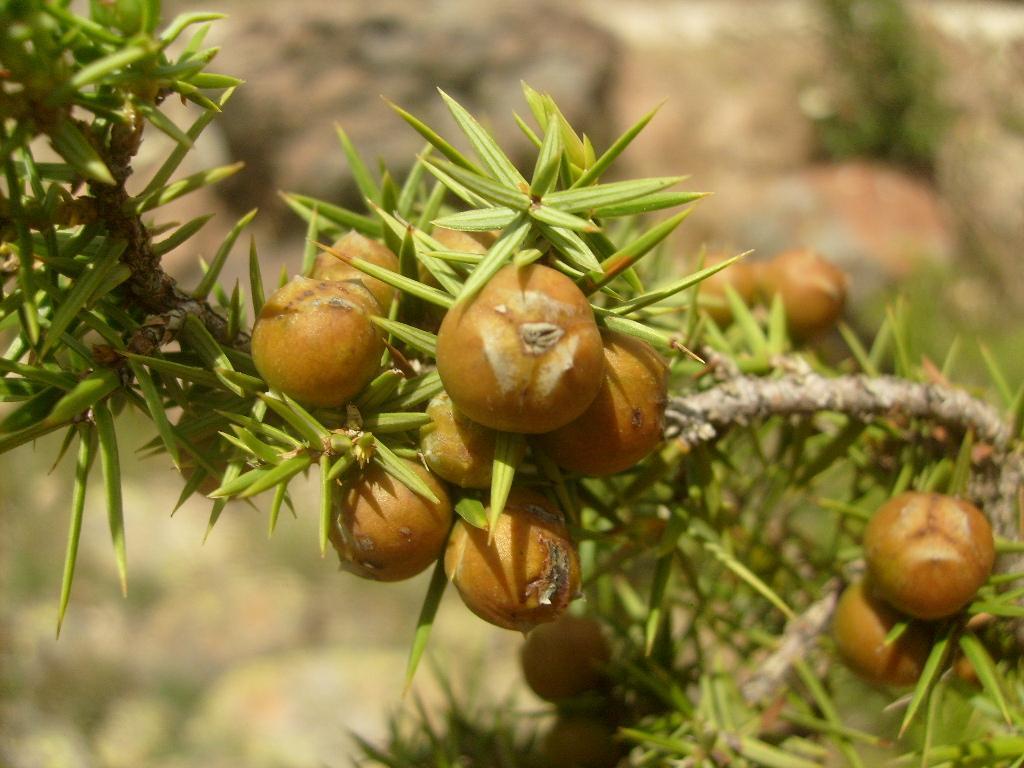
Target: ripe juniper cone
928,554
813,290
624,422
384,531
564,658
314,340
455,240
456,448
355,245
524,355
743,277
860,625
529,572
467,242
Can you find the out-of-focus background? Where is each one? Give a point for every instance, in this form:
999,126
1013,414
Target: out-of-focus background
890,136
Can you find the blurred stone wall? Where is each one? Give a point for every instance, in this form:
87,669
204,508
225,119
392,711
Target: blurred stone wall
317,64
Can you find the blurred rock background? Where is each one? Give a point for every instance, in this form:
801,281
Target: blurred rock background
889,136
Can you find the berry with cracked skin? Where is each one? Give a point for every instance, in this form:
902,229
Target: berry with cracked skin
524,354
529,572
455,447
859,627
356,245
624,422
384,531
564,658
314,340
813,290
928,554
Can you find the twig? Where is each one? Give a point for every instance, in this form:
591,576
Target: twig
738,400
799,637
149,288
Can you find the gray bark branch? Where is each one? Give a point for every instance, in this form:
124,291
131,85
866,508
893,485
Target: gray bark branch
700,417
740,400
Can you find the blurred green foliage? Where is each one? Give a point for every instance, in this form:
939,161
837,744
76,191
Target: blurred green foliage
885,101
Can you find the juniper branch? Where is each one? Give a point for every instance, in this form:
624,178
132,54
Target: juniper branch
798,391
800,636
997,482
150,288
738,400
